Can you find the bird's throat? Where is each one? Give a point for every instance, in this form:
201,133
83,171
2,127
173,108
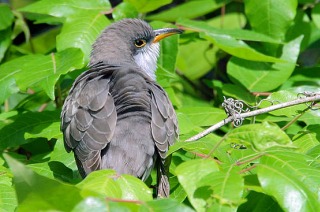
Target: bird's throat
147,58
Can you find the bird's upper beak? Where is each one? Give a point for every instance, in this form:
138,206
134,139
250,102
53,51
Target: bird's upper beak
163,33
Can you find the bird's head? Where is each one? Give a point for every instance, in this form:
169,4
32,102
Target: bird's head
130,41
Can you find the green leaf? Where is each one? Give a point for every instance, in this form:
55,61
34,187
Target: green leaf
103,182
271,17
201,61
8,85
203,146
66,8
52,170
92,204
231,34
238,48
227,189
144,6
39,70
189,9
124,10
108,183
307,138
315,153
203,116
282,97
168,49
232,20
49,132
36,192
6,16
316,15
81,31
259,202
287,177
259,136
60,155
190,175
43,43
165,205
8,199
13,134
239,93
133,188
5,41
256,76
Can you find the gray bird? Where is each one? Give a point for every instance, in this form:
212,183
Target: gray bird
116,116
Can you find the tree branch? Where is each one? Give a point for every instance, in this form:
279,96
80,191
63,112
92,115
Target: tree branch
313,98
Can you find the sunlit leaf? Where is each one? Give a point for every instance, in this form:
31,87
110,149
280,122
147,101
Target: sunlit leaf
297,191
189,9
259,136
144,6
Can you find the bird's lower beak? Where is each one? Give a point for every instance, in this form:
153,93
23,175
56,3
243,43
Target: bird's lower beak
163,33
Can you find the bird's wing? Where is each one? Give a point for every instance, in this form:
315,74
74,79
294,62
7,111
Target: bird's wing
164,123
88,120
164,129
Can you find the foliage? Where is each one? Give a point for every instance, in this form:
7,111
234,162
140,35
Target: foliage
249,50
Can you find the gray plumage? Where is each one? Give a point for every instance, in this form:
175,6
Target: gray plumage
116,116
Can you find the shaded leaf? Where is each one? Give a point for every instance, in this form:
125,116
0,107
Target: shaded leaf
190,174
13,134
271,17
259,202
227,189
60,154
256,76
36,192
201,61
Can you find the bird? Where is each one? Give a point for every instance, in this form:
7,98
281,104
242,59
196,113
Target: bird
116,116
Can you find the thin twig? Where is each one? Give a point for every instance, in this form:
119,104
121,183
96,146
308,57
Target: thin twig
255,113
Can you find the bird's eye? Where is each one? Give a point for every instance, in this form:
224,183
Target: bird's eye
140,43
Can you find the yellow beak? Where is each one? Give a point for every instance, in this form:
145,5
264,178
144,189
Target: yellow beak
163,33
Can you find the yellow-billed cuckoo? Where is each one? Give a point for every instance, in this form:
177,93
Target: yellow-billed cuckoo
116,116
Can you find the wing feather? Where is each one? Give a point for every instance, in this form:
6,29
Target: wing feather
88,119
164,125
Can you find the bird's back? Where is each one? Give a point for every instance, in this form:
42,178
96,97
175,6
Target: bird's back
112,120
